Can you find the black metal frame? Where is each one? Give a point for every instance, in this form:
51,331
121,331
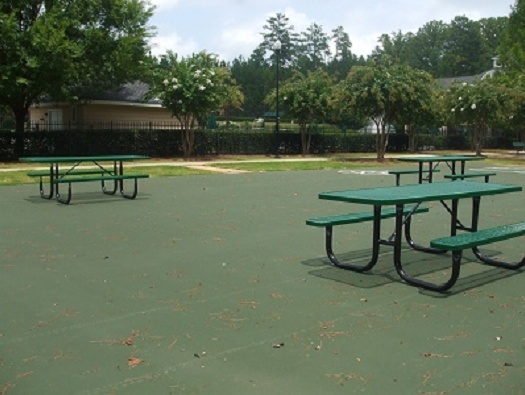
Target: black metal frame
395,240
118,184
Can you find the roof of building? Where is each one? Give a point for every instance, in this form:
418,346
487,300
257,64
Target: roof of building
130,92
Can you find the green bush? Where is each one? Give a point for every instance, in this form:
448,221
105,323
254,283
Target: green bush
168,143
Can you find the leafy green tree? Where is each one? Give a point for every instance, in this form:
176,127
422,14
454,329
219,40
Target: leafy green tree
342,44
492,34
384,93
343,59
480,106
512,47
306,98
514,118
279,29
462,48
314,48
191,88
257,79
59,47
417,107
396,46
427,47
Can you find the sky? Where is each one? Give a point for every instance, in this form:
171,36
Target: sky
231,28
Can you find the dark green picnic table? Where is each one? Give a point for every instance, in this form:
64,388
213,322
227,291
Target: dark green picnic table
433,161
399,196
65,169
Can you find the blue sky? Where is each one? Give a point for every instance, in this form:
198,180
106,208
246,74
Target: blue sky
230,28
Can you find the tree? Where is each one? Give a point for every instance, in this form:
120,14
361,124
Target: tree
512,47
480,105
314,48
306,98
278,29
382,92
396,46
257,79
417,107
191,88
342,44
427,47
59,47
462,48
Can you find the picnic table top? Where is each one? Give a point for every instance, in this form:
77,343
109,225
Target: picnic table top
414,193
65,159
441,158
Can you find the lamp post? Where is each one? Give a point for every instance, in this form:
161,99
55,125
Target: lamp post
277,50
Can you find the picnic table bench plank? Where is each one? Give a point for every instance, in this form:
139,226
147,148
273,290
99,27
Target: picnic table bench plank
399,173
485,175
117,182
329,222
458,243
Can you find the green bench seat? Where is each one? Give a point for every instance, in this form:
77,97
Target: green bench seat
454,177
399,173
70,180
103,178
481,237
354,218
329,222
473,240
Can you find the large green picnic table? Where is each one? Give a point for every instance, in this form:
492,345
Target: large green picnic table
65,169
399,196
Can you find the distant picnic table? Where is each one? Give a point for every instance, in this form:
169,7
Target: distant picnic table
66,170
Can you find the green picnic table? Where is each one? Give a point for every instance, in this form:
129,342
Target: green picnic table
67,170
432,161
415,194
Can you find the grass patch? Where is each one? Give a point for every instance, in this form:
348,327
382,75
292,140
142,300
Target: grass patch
339,162
19,177
296,166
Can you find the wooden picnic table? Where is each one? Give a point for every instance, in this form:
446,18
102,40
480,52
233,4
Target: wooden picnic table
400,196
67,169
432,161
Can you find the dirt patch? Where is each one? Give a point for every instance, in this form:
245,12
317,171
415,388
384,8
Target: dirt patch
218,169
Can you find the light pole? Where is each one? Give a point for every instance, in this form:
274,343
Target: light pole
277,50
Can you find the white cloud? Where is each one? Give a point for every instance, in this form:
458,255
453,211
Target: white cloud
233,27
173,42
163,5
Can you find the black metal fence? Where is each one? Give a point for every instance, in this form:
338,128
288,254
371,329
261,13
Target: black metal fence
167,142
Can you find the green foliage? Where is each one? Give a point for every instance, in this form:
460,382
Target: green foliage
480,105
459,48
512,47
306,98
59,47
191,88
386,93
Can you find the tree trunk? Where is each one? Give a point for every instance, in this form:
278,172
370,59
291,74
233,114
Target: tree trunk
305,139
381,140
412,142
20,119
188,137
479,133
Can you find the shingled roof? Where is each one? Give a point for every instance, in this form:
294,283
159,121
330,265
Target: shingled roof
131,93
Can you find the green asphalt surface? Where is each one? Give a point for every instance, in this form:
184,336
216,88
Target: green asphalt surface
213,284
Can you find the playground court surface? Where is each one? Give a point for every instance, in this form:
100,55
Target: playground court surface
214,285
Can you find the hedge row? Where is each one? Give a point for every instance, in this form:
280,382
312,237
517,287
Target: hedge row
167,143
